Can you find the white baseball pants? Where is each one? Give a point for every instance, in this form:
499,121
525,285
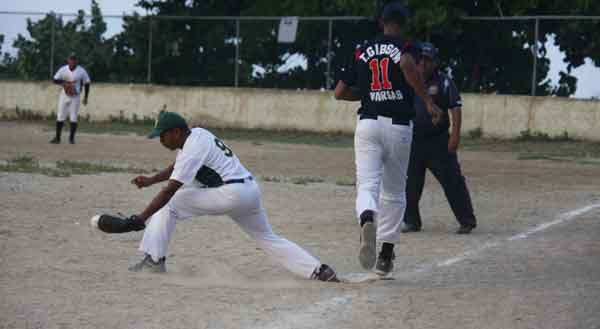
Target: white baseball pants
382,153
68,107
241,202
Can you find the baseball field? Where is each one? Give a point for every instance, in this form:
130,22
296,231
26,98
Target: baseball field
533,261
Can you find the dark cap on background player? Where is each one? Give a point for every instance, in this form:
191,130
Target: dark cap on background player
427,49
394,12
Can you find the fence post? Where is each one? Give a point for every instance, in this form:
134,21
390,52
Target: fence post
149,71
52,41
535,57
237,53
329,79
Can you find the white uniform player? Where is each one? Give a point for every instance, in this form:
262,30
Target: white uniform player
383,77
208,179
74,79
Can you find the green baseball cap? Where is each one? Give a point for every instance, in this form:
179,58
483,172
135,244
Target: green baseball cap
166,121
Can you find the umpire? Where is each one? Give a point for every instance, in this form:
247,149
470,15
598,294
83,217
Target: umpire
435,149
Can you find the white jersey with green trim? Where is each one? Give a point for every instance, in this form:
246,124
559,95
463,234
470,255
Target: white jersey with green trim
206,159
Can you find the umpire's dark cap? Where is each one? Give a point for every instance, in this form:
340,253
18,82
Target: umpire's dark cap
394,12
428,50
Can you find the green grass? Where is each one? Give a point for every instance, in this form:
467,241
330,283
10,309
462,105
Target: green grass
259,136
304,180
345,182
272,179
86,168
536,136
255,136
298,180
475,133
537,148
527,142
120,125
27,164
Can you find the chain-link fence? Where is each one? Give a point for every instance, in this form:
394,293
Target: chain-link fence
196,51
530,40
499,54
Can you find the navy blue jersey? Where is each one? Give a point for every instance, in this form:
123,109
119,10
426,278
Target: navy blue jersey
445,95
376,72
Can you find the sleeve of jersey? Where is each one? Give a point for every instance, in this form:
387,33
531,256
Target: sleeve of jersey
186,166
86,77
58,75
454,99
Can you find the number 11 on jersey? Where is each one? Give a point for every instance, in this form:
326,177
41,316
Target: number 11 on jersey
380,68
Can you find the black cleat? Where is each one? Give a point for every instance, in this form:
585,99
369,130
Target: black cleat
465,229
409,228
72,141
55,141
325,273
384,265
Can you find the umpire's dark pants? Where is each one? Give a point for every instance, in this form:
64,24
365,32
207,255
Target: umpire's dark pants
432,153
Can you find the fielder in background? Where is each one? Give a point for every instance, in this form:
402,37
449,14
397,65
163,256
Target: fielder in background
208,179
434,149
73,78
384,78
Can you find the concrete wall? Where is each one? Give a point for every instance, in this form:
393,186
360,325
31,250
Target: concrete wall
496,115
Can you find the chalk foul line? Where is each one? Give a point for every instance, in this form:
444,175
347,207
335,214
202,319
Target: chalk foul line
308,317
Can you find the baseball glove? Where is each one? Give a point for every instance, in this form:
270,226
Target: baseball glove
116,224
69,88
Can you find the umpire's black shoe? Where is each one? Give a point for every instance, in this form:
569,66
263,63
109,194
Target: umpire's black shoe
55,141
72,140
466,229
408,228
385,264
324,273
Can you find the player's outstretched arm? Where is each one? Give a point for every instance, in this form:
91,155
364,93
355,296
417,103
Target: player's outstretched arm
408,66
345,92
160,200
145,181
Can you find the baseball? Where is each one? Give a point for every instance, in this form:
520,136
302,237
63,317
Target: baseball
94,221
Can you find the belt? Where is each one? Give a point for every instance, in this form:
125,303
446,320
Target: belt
238,180
395,121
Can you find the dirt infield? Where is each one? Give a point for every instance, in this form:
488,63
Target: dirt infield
534,261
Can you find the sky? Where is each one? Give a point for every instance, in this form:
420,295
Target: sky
12,25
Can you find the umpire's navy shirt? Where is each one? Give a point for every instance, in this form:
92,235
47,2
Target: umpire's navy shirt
444,93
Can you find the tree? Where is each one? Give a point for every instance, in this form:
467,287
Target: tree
193,52
34,53
497,56
183,51
261,46
130,50
487,56
7,62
